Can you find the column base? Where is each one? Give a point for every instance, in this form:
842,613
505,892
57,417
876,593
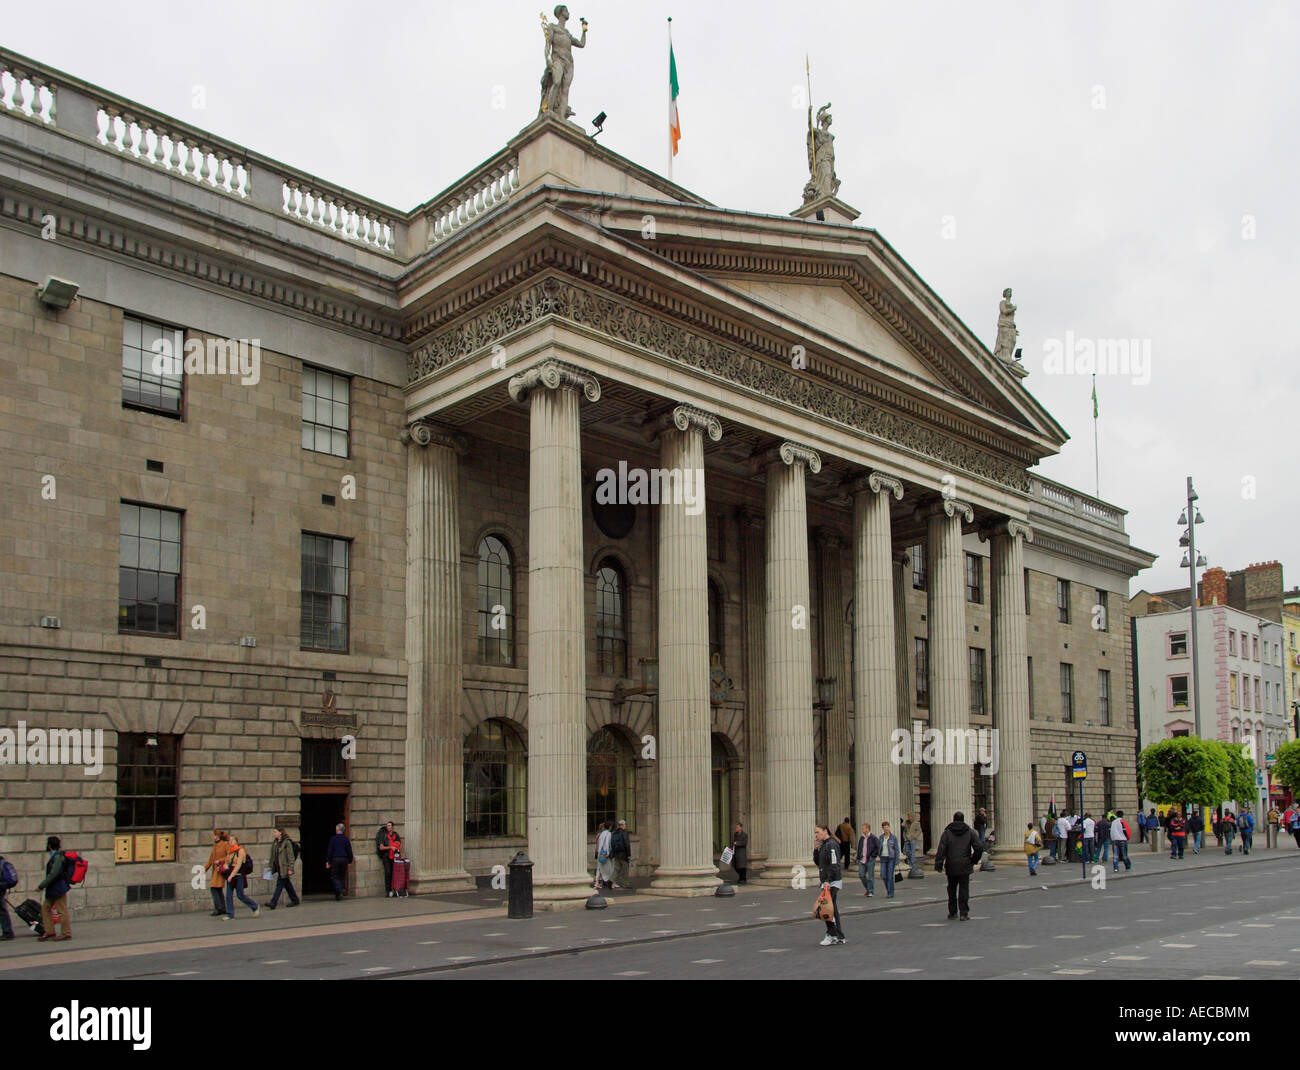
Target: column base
780,874
562,893
449,880
685,883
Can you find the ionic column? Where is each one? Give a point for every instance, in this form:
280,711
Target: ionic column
557,663
1012,749
907,787
787,668
685,779
435,751
752,562
875,667
831,591
951,786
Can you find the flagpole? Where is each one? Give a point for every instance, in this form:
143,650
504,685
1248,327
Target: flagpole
1096,458
670,101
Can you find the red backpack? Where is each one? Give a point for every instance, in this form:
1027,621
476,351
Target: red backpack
74,867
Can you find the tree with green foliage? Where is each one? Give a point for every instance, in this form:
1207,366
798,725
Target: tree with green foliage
1241,772
1287,770
1184,770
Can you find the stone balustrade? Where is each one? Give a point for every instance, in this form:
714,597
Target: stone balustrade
336,212
26,92
150,140
468,200
1072,501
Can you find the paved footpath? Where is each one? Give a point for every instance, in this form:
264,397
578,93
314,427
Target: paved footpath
469,935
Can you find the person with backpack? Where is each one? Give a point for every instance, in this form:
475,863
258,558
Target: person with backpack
55,885
217,883
1229,825
1033,844
284,853
958,851
237,866
388,845
8,879
1120,835
1247,827
338,856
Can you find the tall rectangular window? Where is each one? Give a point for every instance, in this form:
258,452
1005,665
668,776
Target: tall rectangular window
919,574
325,569
1063,601
1067,692
325,407
1028,601
977,702
1177,644
147,789
1030,662
1232,690
1177,692
1245,691
1101,611
974,578
1103,697
149,570
1256,681
1232,642
153,375
921,649
1254,647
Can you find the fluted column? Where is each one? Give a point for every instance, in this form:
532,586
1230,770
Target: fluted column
557,663
1014,795
951,784
903,706
435,751
834,662
685,754
875,666
788,665
752,562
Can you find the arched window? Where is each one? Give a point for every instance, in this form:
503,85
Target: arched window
496,782
611,780
611,619
496,603
717,622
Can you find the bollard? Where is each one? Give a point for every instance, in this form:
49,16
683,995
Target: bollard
519,884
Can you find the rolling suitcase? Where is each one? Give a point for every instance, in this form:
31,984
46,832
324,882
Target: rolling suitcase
402,877
30,912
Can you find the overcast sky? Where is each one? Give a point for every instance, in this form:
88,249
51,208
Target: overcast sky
1128,168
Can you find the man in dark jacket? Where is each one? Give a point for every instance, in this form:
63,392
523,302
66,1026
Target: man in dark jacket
620,850
830,870
740,852
980,823
958,851
8,879
55,885
338,856
1196,831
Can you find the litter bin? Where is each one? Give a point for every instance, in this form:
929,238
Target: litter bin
519,885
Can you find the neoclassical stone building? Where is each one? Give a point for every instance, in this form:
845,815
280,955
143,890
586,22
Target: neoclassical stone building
384,575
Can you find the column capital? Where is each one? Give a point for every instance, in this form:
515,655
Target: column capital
1009,526
423,433
948,507
554,374
789,453
875,482
684,418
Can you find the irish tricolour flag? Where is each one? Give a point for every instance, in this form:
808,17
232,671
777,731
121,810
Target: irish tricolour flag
674,124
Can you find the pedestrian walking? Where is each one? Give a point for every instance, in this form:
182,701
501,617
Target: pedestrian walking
912,834
958,851
238,865
1033,844
1294,826
1218,826
1229,831
8,879
1063,837
845,835
1274,818
1246,826
282,859
868,850
739,851
217,882
1103,837
981,823
55,885
620,850
604,863
888,857
388,845
1152,823
338,856
830,870
1195,831
1120,837
1089,837
1177,833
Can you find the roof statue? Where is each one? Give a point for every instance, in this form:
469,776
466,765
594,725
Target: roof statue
1005,346
558,75
821,156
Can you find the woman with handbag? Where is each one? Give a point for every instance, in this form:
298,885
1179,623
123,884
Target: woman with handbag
217,883
1033,844
236,879
604,863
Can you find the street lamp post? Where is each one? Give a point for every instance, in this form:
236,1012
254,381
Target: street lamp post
1191,517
